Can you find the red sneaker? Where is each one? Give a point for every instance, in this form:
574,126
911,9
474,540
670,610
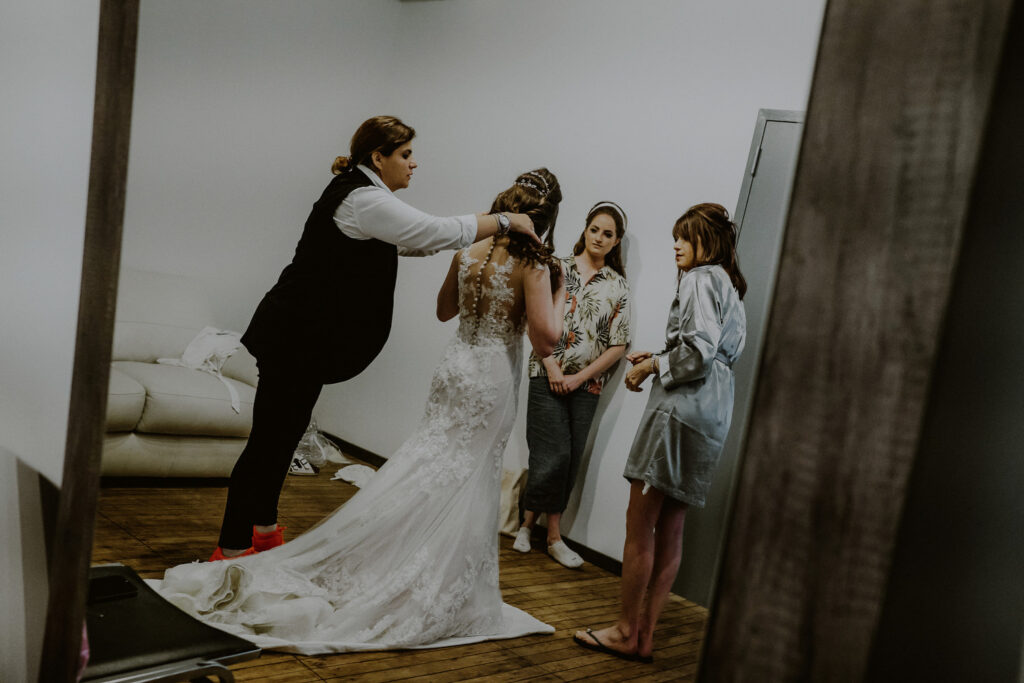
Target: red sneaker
218,554
265,541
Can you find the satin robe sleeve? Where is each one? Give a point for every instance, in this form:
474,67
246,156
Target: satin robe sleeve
694,330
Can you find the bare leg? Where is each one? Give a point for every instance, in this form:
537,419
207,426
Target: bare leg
554,519
529,519
554,532
637,565
668,551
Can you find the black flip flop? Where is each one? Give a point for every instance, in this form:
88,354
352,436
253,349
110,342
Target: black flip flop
598,646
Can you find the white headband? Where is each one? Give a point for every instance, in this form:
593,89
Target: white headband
610,205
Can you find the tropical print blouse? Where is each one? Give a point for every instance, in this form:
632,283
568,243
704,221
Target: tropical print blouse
596,317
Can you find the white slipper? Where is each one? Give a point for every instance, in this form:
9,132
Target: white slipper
565,555
522,543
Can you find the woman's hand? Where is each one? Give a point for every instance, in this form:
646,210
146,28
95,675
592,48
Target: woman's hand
555,376
571,383
521,223
638,356
639,372
487,225
564,385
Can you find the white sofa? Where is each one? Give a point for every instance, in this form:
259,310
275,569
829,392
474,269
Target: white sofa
165,420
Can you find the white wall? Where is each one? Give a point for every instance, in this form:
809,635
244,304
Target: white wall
47,76
48,72
650,104
24,589
240,108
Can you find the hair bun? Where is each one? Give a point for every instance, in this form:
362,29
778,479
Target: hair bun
341,164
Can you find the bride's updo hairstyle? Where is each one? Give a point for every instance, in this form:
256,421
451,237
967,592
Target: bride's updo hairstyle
384,133
537,194
709,226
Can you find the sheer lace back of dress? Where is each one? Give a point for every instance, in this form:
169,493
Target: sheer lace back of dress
491,304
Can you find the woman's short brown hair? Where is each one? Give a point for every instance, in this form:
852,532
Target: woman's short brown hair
708,226
383,133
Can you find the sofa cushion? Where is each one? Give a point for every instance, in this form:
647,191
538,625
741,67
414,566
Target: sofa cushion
125,400
130,454
241,366
185,401
158,314
145,342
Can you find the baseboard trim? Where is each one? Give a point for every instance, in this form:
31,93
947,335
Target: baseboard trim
539,539
594,557
349,448
168,482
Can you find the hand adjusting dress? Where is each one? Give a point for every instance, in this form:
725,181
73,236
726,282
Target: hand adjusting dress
412,559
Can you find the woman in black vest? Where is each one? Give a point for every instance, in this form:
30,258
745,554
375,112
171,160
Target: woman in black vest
330,312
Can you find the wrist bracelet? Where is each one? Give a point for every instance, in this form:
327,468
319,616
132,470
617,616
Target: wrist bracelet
504,224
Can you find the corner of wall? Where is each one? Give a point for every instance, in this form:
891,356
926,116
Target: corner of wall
24,592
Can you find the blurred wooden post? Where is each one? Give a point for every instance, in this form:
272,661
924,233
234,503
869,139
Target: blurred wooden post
895,122
71,545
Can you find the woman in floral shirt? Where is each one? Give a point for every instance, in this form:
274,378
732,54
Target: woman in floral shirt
565,386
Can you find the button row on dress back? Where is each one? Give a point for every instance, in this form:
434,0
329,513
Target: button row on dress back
478,291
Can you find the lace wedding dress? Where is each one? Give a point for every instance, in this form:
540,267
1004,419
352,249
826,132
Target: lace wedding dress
412,559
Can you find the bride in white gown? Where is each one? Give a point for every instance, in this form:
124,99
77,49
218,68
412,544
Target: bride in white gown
411,560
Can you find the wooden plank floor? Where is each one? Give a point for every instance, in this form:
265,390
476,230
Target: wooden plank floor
151,528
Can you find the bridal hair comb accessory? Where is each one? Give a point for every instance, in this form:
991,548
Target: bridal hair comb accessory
527,180
610,205
542,179
524,182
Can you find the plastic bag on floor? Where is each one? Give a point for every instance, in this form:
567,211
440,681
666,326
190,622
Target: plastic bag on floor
317,449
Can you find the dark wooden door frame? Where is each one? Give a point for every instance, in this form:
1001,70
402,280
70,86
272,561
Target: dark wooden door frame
895,123
70,546
896,115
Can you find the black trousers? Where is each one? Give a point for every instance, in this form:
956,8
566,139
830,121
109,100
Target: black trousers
281,413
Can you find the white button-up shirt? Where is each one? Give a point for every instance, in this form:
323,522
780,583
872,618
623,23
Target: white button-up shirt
374,212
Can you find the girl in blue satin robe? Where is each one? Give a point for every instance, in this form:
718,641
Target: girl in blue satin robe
680,438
